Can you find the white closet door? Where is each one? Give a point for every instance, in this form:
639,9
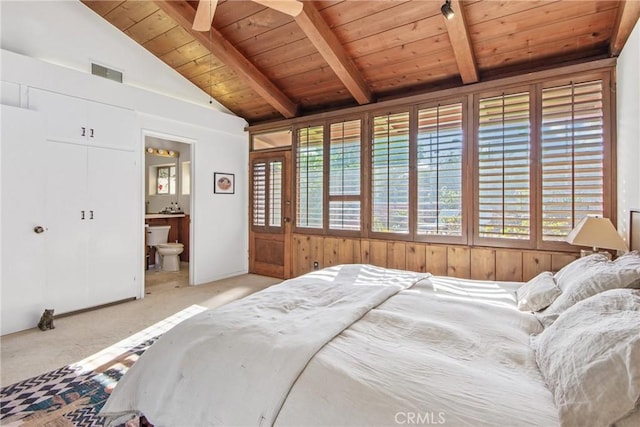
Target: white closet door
66,237
113,252
65,116
23,192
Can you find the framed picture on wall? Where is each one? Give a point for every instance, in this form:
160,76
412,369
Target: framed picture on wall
224,183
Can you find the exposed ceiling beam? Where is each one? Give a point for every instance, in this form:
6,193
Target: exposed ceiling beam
316,29
183,14
628,15
461,43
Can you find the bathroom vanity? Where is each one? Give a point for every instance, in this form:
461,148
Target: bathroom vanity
179,229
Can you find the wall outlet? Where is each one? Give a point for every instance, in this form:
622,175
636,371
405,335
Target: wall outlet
315,265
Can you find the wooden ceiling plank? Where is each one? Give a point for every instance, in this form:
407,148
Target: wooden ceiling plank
183,13
321,36
628,15
461,44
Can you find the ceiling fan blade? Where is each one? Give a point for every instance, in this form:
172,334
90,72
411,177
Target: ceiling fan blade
289,7
204,15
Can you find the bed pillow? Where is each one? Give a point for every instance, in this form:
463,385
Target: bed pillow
590,358
595,275
577,267
537,293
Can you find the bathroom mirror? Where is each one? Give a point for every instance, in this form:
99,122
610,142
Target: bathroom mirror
164,186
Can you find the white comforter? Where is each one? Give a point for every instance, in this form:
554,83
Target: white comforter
351,345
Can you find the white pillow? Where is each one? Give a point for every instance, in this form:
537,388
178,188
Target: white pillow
595,275
537,293
590,358
576,268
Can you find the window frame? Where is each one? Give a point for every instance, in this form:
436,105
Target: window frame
466,176
496,241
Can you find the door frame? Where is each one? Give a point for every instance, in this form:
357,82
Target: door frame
286,209
143,197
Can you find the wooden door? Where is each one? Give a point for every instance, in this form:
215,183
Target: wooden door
270,213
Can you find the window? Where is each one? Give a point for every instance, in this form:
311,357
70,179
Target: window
165,180
390,173
504,182
273,139
517,166
439,170
344,175
309,177
266,191
572,139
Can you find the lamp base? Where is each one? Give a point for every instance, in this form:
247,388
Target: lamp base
586,252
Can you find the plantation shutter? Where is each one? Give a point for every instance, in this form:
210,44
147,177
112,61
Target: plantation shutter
390,173
275,193
309,177
267,186
572,156
259,194
503,167
344,175
439,170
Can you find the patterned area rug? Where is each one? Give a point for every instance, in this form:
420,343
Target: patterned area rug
73,395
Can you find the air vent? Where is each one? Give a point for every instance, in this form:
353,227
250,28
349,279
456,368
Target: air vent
108,73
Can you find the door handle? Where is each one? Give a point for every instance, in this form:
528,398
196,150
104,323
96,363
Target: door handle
90,214
286,219
82,214
91,133
38,229
84,131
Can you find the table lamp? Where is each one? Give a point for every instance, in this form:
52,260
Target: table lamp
596,232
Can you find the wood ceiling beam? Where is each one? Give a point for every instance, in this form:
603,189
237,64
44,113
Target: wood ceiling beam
461,44
316,29
183,14
628,15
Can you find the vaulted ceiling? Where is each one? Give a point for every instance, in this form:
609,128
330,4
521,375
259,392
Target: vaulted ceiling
264,65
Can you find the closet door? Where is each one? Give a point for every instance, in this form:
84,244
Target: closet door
67,220
115,223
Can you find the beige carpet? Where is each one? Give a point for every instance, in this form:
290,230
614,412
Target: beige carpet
32,352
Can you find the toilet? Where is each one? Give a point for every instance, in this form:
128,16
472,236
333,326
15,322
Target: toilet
170,252
156,235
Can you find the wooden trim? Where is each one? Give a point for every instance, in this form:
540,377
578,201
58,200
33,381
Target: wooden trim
628,15
461,43
184,14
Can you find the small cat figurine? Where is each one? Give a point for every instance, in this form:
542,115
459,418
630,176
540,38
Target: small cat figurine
46,320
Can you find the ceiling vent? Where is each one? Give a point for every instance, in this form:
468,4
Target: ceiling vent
107,73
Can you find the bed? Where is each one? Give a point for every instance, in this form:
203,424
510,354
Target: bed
364,345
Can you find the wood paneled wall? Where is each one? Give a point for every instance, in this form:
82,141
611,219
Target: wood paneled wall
441,260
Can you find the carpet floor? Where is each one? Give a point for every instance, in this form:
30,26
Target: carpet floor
74,394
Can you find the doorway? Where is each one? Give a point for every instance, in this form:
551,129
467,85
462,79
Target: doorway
270,210
167,214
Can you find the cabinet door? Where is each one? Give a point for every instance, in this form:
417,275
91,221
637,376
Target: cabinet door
114,201
66,237
81,121
111,127
65,116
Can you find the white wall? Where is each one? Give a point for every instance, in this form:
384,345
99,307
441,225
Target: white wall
68,33
219,228
628,129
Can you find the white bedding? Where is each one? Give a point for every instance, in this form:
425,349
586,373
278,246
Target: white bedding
438,351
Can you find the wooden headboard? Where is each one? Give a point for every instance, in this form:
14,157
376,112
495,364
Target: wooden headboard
634,230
